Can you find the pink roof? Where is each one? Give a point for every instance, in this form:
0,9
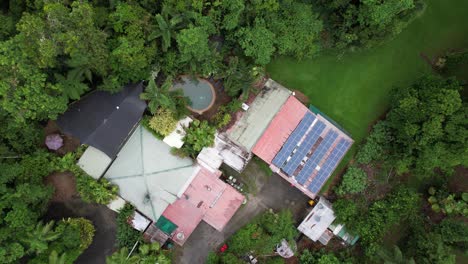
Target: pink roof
185,216
207,198
220,214
285,121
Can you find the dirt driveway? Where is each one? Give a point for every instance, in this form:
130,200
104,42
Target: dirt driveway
66,203
273,192
103,220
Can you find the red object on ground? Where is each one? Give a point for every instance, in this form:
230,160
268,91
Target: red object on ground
223,248
282,125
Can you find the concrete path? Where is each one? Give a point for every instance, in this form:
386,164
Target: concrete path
274,193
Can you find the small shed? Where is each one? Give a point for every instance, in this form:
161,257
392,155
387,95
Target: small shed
315,225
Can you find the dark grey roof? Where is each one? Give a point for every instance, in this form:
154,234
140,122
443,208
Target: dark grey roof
104,120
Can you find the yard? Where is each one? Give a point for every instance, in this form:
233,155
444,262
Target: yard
353,89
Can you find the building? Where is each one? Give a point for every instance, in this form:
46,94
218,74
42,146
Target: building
319,225
302,146
315,225
172,195
148,175
207,199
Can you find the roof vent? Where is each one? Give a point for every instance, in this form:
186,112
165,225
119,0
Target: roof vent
180,236
146,198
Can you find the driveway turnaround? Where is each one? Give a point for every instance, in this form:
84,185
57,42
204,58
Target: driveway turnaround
275,193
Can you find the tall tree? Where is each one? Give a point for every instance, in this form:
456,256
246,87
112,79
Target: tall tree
167,27
365,23
132,50
257,42
296,28
428,123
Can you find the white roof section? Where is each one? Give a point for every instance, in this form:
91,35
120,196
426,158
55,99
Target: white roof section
139,221
224,150
250,127
316,224
148,175
117,204
94,162
175,138
210,158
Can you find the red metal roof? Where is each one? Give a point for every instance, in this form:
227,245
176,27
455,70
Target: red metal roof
280,128
207,198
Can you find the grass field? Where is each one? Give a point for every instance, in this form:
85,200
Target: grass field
353,90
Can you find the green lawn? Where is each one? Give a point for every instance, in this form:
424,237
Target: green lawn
353,90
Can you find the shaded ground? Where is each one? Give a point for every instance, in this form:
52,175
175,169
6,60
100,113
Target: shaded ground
64,184
273,192
104,221
353,89
66,203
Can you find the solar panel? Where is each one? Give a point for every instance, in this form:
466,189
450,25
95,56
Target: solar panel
329,165
316,157
293,139
304,148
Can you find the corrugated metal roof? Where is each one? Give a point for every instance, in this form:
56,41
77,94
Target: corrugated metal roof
148,175
250,127
279,129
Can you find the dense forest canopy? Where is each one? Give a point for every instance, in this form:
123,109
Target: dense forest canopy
54,51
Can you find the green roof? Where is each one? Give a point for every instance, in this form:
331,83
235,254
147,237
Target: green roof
166,225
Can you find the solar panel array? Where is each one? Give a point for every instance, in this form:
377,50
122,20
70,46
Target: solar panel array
329,165
304,148
316,157
293,140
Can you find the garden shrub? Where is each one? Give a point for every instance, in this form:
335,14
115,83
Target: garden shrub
163,121
97,191
263,234
448,203
86,229
198,135
126,235
346,211
374,147
223,116
144,254
354,181
76,234
90,190
145,123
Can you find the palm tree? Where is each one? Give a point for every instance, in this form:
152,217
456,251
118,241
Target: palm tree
393,257
167,27
122,257
158,96
55,259
38,240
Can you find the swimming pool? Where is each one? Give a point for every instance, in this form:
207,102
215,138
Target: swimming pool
200,92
